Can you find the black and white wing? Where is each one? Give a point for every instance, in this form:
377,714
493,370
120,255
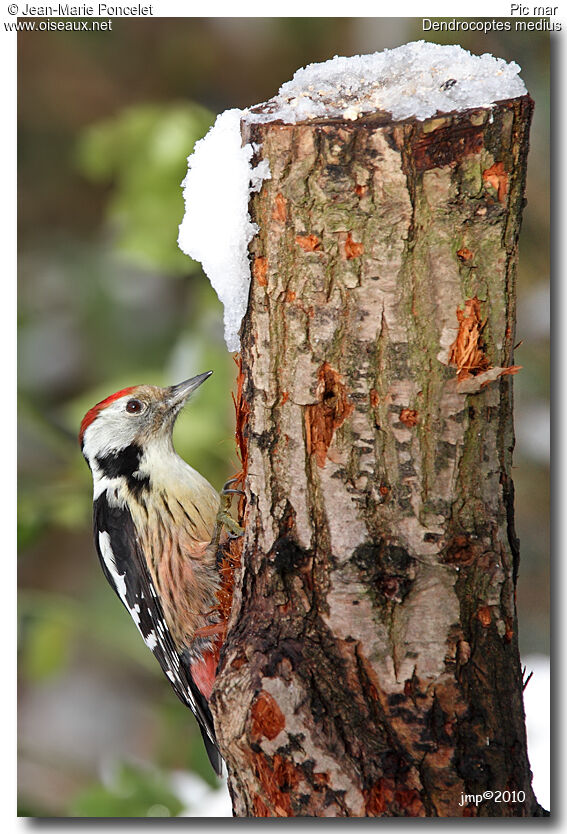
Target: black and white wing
125,568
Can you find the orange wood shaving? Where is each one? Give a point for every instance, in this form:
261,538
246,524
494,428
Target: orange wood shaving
484,616
309,243
467,351
260,807
277,779
260,269
513,369
324,417
497,177
280,208
386,796
352,249
267,718
465,255
409,417
379,797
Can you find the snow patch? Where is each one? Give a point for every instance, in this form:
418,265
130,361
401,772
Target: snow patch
216,228
537,697
416,80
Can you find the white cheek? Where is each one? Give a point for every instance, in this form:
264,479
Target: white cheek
113,429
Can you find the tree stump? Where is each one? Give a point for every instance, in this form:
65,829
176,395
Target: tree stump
371,666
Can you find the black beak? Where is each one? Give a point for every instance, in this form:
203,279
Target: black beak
178,395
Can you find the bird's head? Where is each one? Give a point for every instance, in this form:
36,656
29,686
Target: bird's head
134,418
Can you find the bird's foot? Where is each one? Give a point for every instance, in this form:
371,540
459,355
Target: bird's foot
233,528
224,520
223,516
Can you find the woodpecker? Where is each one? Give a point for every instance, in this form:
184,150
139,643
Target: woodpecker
154,520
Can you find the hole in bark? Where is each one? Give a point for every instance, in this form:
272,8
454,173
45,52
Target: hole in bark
386,570
431,537
288,556
459,551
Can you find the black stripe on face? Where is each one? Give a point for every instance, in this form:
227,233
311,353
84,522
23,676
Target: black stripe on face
124,463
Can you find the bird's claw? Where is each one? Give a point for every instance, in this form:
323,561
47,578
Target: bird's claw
225,504
224,519
230,481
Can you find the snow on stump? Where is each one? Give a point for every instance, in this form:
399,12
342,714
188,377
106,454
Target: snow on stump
371,666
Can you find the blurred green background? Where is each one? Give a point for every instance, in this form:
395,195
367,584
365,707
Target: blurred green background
106,121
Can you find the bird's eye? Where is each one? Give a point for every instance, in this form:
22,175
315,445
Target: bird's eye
134,406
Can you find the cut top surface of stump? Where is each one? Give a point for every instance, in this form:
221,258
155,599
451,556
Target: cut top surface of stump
416,80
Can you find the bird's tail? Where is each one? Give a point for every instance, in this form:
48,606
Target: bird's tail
202,712
213,751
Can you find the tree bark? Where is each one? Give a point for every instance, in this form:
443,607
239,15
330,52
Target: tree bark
371,665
